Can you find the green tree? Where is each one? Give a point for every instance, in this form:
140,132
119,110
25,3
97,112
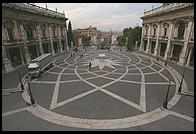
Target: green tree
133,36
69,34
121,40
86,40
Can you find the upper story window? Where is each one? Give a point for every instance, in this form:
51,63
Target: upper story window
44,33
146,27
29,32
61,31
10,33
165,27
54,31
43,29
181,29
154,32
154,29
146,31
165,32
10,30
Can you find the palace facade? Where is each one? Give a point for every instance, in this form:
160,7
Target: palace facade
168,32
29,31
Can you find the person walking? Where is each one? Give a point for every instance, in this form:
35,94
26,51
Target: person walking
89,65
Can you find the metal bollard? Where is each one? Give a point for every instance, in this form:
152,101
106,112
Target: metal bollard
166,99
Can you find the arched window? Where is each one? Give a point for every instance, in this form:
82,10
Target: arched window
43,28
154,29
53,31
181,29
29,32
165,27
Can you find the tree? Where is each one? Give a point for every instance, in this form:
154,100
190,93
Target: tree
133,36
69,34
121,40
86,41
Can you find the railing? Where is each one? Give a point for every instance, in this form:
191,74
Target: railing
14,41
166,7
178,39
36,9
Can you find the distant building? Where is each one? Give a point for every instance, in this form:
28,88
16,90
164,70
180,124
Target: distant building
29,31
90,31
114,37
168,32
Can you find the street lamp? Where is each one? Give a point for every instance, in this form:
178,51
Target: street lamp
31,97
21,84
166,99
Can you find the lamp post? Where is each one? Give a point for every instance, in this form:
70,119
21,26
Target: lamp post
166,99
31,97
21,84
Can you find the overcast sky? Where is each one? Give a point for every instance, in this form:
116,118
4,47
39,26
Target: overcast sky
104,16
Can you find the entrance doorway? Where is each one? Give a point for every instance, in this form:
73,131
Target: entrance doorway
153,46
145,45
176,52
55,47
33,51
15,57
163,49
63,47
192,58
45,48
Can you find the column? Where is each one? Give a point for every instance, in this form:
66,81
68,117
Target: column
189,57
40,40
141,44
59,34
171,29
148,43
66,41
27,54
156,50
186,38
6,61
51,40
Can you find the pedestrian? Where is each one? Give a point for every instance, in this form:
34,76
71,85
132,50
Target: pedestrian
71,54
89,65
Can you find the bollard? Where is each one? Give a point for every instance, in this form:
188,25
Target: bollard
166,63
180,87
166,99
31,97
21,84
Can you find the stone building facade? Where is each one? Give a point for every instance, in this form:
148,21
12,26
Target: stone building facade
168,32
29,31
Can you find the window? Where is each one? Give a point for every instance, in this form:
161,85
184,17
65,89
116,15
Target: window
181,29
165,32
146,31
44,33
154,31
61,31
53,31
29,32
10,33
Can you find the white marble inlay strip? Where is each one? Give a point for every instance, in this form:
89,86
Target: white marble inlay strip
122,99
75,97
181,116
14,111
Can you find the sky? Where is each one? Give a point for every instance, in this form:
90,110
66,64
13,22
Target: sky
104,16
